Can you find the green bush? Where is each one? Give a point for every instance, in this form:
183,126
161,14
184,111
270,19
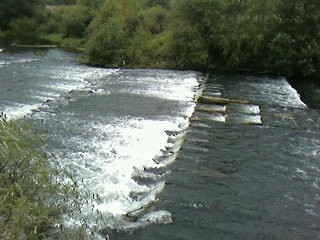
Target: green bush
153,19
24,29
106,45
72,20
13,9
32,200
189,39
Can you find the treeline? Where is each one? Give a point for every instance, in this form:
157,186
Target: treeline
279,37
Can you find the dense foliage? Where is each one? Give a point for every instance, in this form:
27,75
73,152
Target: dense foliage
272,36
10,10
32,200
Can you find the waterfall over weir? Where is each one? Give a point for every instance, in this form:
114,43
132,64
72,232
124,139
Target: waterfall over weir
114,130
242,163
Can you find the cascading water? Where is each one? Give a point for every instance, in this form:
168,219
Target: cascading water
248,168
112,129
245,167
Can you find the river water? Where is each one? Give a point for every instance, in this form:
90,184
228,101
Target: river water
247,168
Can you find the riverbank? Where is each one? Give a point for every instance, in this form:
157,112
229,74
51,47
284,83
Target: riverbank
44,41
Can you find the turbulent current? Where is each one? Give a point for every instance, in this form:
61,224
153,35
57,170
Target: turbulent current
242,163
107,127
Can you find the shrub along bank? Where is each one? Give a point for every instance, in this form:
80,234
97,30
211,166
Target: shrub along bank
35,197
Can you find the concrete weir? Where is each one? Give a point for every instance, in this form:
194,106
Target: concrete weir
231,111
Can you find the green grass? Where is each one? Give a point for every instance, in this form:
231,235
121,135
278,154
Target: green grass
67,42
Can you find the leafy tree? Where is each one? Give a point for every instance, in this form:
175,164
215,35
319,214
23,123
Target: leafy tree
60,2
295,45
189,44
14,9
272,36
108,36
24,29
91,4
253,27
73,20
153,19
163,3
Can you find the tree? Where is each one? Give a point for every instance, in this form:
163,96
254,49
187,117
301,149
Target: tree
189,44
108,36
73,20
295,46
14,9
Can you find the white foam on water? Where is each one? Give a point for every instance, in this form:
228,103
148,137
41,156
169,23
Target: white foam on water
25,60
44,96
81,73
212,107
110,156
16,111
74,78
179,88
279,91
244,108
65,80
20,61
254,109
217,117
109,164
157,217
107,154
64,87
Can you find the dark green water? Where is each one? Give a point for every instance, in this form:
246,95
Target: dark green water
244,171
235,181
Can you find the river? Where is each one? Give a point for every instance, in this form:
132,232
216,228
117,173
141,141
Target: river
243,169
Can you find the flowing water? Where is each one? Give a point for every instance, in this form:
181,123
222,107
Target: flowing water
246,167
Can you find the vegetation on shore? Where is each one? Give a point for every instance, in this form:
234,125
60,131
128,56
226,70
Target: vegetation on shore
280,37
35,197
